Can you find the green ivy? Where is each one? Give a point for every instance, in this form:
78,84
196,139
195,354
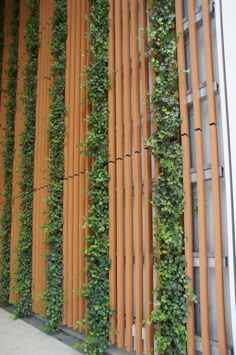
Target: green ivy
97,250
2,4
24,248
170,313
8,155
54,275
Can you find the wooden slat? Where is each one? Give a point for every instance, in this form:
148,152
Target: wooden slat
77,256
129,296
41,155
19,126
119,177
112,171
66,166
88,164
45,155
147,181
66,169
138,178
212,117
188,221
74,253
82,137
204,304
75,201
70,211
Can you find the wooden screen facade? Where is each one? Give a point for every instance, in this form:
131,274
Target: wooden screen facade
131,169
204,184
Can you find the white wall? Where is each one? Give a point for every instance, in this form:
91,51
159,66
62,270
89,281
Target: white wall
226,26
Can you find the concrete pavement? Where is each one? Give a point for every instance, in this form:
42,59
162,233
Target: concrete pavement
20,338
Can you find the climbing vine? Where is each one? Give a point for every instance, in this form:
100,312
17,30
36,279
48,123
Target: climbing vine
170,313
24,248
97,252
54,275
8,155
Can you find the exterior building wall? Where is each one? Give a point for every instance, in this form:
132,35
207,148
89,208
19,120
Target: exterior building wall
207,102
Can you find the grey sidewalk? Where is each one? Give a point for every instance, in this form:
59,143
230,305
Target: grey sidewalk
20,338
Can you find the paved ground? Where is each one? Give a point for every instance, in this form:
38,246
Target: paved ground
20,338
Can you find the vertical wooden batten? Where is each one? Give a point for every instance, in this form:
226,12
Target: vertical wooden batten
41,155
76,117
70,101
87,164
138,178
112,170
82,137
216,200
66,171
119,176
185,138
128,233
204,305
75,202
